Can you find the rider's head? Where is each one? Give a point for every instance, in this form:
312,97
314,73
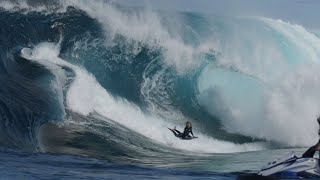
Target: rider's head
188,125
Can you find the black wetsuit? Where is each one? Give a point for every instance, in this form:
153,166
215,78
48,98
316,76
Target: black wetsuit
185,134
310,152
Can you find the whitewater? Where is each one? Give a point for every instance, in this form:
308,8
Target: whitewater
98,82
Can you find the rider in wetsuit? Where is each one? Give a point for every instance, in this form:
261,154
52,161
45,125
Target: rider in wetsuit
186,132
312,150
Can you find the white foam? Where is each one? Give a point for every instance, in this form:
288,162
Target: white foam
21,4
145,26
284,103
307,42
86,96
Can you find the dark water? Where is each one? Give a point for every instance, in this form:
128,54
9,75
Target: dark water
18,165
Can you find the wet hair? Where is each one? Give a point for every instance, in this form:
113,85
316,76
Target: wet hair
188,122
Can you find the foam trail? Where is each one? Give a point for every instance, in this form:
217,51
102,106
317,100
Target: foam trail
86,96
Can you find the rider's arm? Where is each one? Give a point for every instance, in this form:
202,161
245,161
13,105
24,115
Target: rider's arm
191,132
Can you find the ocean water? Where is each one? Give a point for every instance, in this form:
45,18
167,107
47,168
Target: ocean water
88,89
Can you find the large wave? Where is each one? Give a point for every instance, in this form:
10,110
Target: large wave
246,83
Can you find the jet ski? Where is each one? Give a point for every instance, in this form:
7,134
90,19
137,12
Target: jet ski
291,166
